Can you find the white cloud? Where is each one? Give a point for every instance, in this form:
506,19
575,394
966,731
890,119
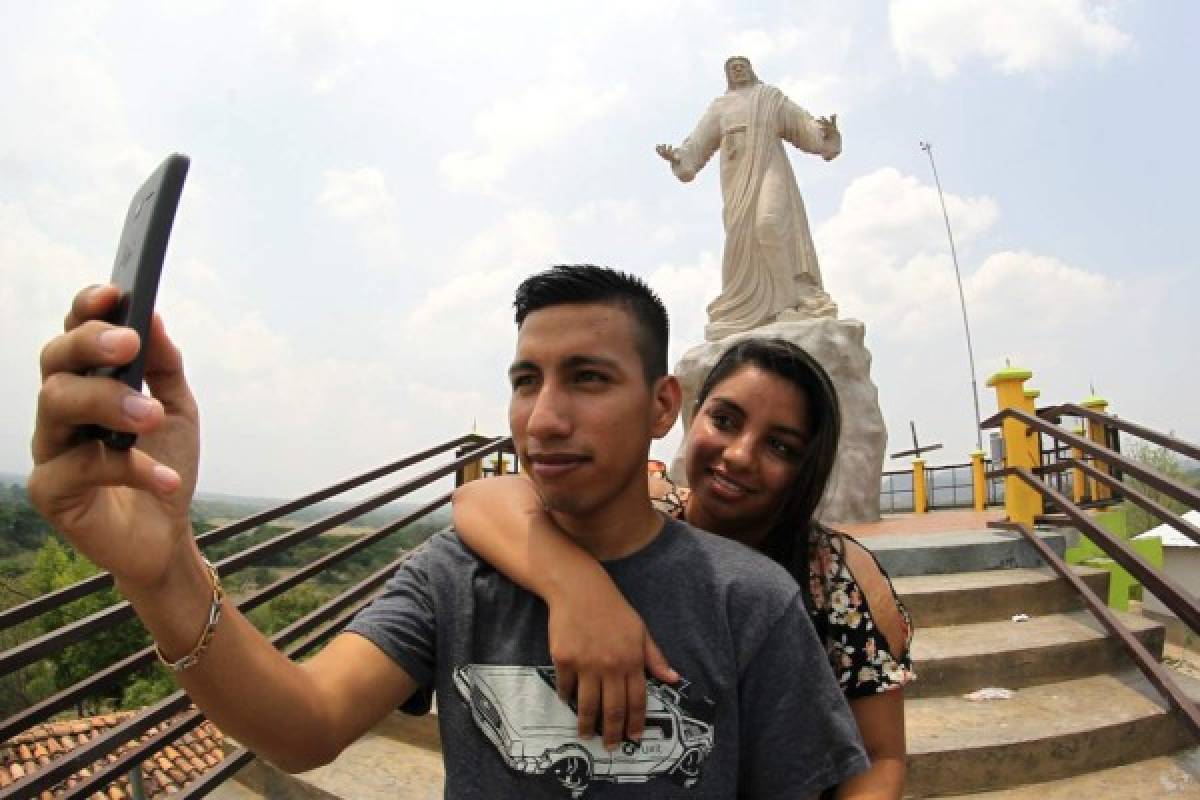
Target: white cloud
886,261
524,238
360,198
762,44
511,128
821,93
686,290
329,42
1018,36
886,246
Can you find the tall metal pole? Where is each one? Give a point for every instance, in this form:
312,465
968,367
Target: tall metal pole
928,148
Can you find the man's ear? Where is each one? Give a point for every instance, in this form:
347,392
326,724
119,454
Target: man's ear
668,398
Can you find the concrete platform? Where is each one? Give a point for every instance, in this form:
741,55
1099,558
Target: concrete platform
958,659
400,759
906,522
963,597
965,551
1176,776
1045,733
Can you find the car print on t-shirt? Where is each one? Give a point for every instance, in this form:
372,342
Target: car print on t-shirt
520,712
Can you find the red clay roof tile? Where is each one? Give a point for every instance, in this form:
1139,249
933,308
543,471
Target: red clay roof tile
165,772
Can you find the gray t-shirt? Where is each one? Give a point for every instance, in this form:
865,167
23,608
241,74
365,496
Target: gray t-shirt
758,714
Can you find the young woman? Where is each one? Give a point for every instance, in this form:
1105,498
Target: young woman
758,457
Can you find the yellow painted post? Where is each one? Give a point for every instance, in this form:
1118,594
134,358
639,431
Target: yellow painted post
472,471
1021,502
920,503
1096,434
1079,481
978,480
1032,440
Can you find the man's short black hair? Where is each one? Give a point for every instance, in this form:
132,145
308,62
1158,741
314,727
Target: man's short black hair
586,283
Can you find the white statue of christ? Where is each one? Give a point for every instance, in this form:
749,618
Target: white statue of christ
769,269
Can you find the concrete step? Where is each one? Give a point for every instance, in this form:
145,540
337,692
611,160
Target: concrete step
1174,777
996,594
1044,733
967,551
956,659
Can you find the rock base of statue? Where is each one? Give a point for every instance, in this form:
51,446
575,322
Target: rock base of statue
838,345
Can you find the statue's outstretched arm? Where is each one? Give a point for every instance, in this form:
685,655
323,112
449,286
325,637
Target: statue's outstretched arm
691,156
819,136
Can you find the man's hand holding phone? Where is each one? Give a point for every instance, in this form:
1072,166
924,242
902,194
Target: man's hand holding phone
126,510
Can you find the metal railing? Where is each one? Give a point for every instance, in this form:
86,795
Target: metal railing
896,491
947,486
297,639
1107,466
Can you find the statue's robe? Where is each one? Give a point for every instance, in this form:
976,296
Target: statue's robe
769,264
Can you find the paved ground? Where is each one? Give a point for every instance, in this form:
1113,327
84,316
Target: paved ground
933,522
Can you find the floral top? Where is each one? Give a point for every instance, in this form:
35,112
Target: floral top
858,651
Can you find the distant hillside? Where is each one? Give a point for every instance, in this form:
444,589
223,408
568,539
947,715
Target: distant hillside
216,505
11,478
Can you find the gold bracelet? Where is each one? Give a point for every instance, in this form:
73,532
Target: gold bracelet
214,616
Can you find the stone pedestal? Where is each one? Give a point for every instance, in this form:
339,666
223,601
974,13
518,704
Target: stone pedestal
837,344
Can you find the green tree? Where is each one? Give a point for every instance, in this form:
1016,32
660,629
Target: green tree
288,607
21,528
56,567
1167,463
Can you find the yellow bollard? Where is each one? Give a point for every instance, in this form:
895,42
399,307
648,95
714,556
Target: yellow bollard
920,502
1096,434
472,471
1021,502
978,480
1079,481
1032,440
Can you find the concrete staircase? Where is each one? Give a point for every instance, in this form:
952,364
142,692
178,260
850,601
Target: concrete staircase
1082,720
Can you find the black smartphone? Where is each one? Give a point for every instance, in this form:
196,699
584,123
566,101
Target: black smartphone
136,271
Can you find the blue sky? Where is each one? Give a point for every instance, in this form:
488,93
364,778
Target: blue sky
369,184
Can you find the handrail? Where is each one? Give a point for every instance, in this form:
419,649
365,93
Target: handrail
1152,477
1172,595
1157,509
36,649
134,756
89,752
1146,662
317,626
1132,428
109,675
52,600
210,780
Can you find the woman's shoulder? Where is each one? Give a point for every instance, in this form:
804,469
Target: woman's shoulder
866,628
861,573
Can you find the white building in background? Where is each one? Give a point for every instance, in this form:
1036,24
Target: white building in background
1181,561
